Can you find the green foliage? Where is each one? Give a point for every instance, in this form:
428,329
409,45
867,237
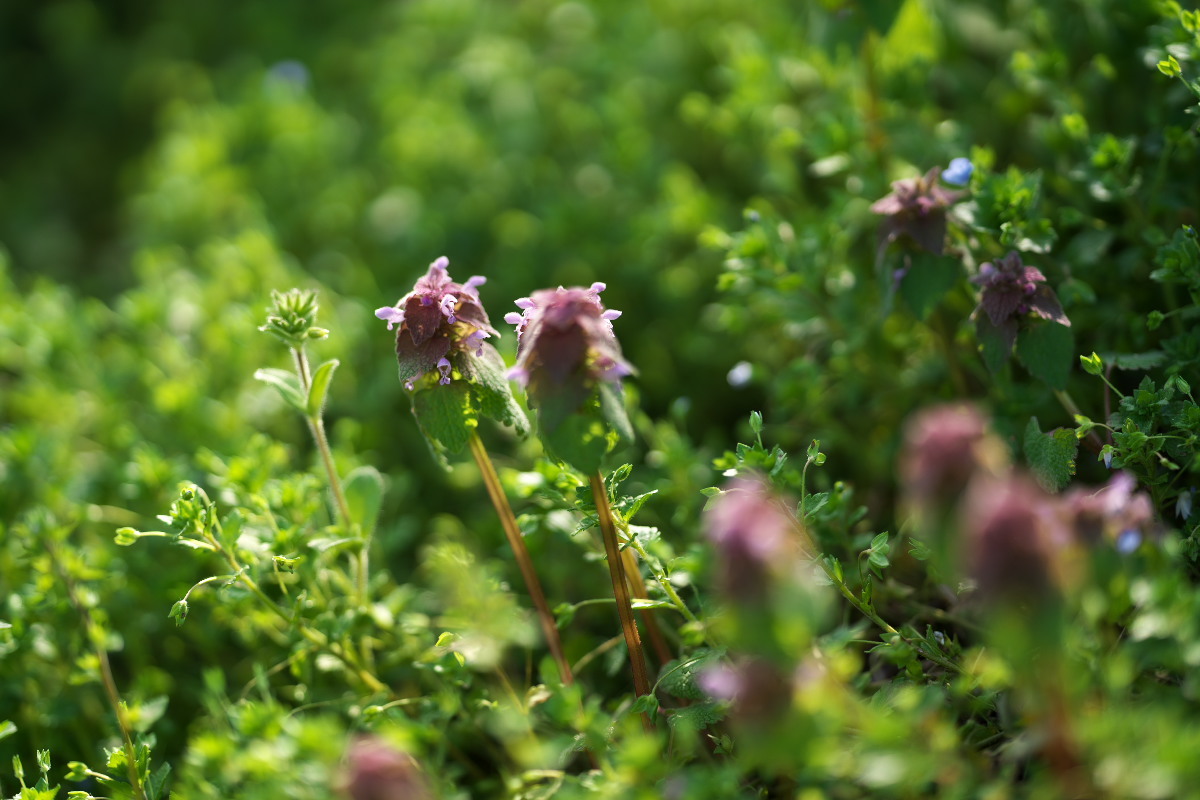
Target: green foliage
1051,455
715,164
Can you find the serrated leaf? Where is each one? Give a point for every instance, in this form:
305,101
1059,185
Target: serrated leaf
635,504
318,389
446,417
157,782
286,383
679,677
697,716
492,389
927,281
1047,350
364,495
1051,456
1136,361
814,502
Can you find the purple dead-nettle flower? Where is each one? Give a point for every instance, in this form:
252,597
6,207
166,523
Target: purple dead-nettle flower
944,447
753,532
375,770
565,341
916,208
439,321
1014,538
1114,512
1012,291
959,172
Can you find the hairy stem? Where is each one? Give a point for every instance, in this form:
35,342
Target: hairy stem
641,681
508,522
316,426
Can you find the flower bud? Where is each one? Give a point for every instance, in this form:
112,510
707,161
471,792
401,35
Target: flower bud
565,344
916,209
375,770
751,530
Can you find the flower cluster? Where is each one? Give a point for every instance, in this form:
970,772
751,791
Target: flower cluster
565,342
916,208
1012,290
1115,512
1015,540
438,320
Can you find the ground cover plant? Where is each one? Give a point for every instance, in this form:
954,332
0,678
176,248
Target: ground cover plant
563,399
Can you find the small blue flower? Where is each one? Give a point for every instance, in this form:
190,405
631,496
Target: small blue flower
1128,541
959,172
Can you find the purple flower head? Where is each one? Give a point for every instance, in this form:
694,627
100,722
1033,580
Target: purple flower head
1014,540
375,770
944,447
959,171
439,320
1011,291
565,343
916,208
1115,512
752,530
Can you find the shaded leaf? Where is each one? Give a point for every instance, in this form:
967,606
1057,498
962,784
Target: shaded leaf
1048,351
1051,455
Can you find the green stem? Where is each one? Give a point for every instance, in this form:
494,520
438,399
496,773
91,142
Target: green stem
314,636
516,541
616,571
919,642
106,676
664,581
316,426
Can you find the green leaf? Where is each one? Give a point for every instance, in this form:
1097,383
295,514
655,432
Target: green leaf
156,784
679,678
1051,456
582,438
319,387
7,728
286,383
1137,361
1047,350
446,417
643,604
364,496
927,281
993,345
698,716
493,391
